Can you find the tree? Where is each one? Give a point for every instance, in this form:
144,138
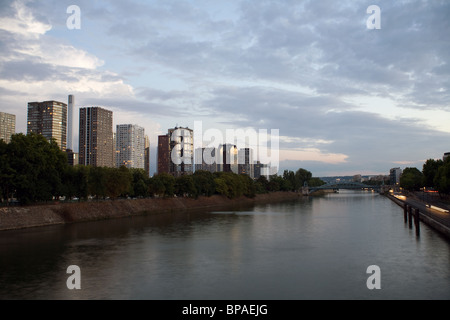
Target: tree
184,186
140,183
204,183
430,171
411,179
301,176
97,182
38,167
163,184
316,182
442,179
7,173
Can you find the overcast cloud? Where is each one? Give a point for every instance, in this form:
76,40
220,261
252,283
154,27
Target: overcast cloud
346,99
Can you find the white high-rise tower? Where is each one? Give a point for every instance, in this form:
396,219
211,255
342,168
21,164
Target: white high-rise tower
70,106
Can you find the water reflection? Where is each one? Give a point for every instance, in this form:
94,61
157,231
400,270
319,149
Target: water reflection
314,248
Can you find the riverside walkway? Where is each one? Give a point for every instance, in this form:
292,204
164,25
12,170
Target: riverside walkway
431,210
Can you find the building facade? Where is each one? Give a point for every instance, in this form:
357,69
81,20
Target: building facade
446,155
49,118
394,176
228,158
163,154
245,162
181,149
7,126
130,146
70,107
147,155
206,159
96,137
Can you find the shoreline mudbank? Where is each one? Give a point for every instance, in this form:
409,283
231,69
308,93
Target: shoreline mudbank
65,213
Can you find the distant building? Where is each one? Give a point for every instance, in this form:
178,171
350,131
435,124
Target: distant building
245,162
96,137
130,146
72,157
206,159
260,169
163,154
228,158
394,176
70,106
49,118
181,148
147,155
7,126
357,178
446,155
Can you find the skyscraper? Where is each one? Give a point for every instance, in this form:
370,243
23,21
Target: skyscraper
147,155
181,150
96,137
130,146
245,162
228,158
7,126
49,118
163,154
206,159
176,152
70,106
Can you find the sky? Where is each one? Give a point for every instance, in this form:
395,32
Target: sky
346,99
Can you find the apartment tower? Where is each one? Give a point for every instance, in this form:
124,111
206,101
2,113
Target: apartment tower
49,118
96,137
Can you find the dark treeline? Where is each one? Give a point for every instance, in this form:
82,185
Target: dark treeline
34,170
435,175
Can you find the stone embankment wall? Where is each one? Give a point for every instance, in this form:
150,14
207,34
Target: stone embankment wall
61,213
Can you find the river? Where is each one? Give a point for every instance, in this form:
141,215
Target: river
313,248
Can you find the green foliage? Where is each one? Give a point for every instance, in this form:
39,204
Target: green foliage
316,182
204,183
430,170
442,178
185,186
411,179
34,168
162,185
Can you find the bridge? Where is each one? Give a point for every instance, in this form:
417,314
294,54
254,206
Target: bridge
345,185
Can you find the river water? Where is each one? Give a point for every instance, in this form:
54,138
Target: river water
313,248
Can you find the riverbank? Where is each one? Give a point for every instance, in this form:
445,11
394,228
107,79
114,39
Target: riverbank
64,213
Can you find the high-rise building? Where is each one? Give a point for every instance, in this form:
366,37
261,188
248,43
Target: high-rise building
245,162
228,158
96,137
72,157
181,150
49,118
206,159
70,106
147,155
394,176
7,126
163,154
130,146
446,155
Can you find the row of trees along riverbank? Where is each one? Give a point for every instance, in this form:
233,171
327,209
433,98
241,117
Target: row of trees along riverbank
435,174
34,170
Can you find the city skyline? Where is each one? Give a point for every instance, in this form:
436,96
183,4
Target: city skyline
346,99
